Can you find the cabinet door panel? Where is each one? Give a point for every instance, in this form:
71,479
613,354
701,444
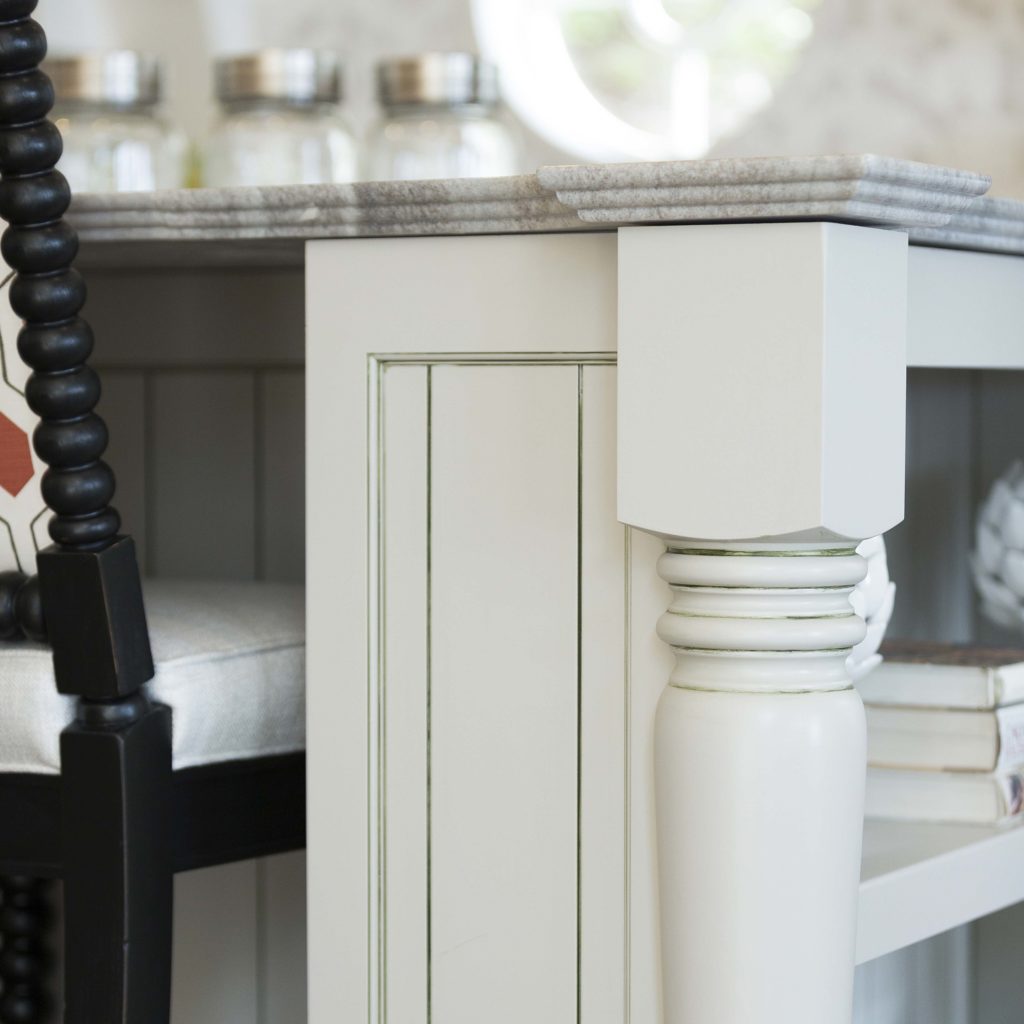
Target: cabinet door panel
603,712
404,778
503,695
509,805
469,637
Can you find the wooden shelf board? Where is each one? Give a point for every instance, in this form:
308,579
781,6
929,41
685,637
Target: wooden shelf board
919,880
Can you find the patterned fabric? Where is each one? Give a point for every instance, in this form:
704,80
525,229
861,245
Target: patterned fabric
23,515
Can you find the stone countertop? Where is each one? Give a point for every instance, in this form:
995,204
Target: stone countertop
936,206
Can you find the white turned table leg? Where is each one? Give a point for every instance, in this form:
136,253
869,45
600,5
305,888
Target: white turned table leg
760,752
761,407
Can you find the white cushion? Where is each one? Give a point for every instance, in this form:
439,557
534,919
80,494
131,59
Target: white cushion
230,661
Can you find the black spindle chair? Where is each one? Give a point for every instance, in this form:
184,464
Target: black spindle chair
118,820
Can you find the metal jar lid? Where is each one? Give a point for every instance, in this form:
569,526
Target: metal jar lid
295,76
437,79
123,78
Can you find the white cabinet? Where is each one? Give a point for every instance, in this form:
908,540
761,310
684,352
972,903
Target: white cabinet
507,867
484,663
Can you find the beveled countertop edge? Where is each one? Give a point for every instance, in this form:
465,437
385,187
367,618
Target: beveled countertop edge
936,205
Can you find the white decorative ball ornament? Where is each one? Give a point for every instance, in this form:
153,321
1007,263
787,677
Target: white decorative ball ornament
998,559
872,600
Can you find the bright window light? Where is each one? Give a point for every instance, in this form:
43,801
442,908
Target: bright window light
641,79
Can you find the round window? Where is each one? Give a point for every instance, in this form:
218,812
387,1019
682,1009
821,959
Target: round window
641,79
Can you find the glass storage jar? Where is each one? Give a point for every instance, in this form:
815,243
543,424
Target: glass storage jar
107,111
441,119
281,122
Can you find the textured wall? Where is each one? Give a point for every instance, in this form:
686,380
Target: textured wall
934,80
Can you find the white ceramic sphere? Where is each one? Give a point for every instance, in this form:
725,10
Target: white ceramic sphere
873,599
998,559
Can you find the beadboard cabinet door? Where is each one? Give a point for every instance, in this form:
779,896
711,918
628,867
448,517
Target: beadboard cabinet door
480,758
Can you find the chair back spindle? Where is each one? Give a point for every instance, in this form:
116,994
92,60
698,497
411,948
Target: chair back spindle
87,600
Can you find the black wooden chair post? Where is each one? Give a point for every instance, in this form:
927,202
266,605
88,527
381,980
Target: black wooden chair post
24,959
87,601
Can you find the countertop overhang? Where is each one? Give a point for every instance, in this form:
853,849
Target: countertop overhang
936,206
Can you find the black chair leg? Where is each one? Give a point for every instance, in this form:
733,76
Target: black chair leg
118,882
24,915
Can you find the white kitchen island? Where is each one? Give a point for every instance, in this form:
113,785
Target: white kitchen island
519,395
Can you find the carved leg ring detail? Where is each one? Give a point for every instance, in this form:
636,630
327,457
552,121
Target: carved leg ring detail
760,751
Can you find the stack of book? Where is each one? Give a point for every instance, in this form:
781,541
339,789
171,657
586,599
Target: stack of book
945,734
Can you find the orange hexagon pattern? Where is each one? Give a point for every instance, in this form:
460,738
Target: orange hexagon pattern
22,512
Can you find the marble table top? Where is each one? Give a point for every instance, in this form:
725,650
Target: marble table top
935,205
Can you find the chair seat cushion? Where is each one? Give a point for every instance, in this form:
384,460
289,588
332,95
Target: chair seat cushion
230,662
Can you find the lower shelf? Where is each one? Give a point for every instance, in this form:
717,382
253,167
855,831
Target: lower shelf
919,880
